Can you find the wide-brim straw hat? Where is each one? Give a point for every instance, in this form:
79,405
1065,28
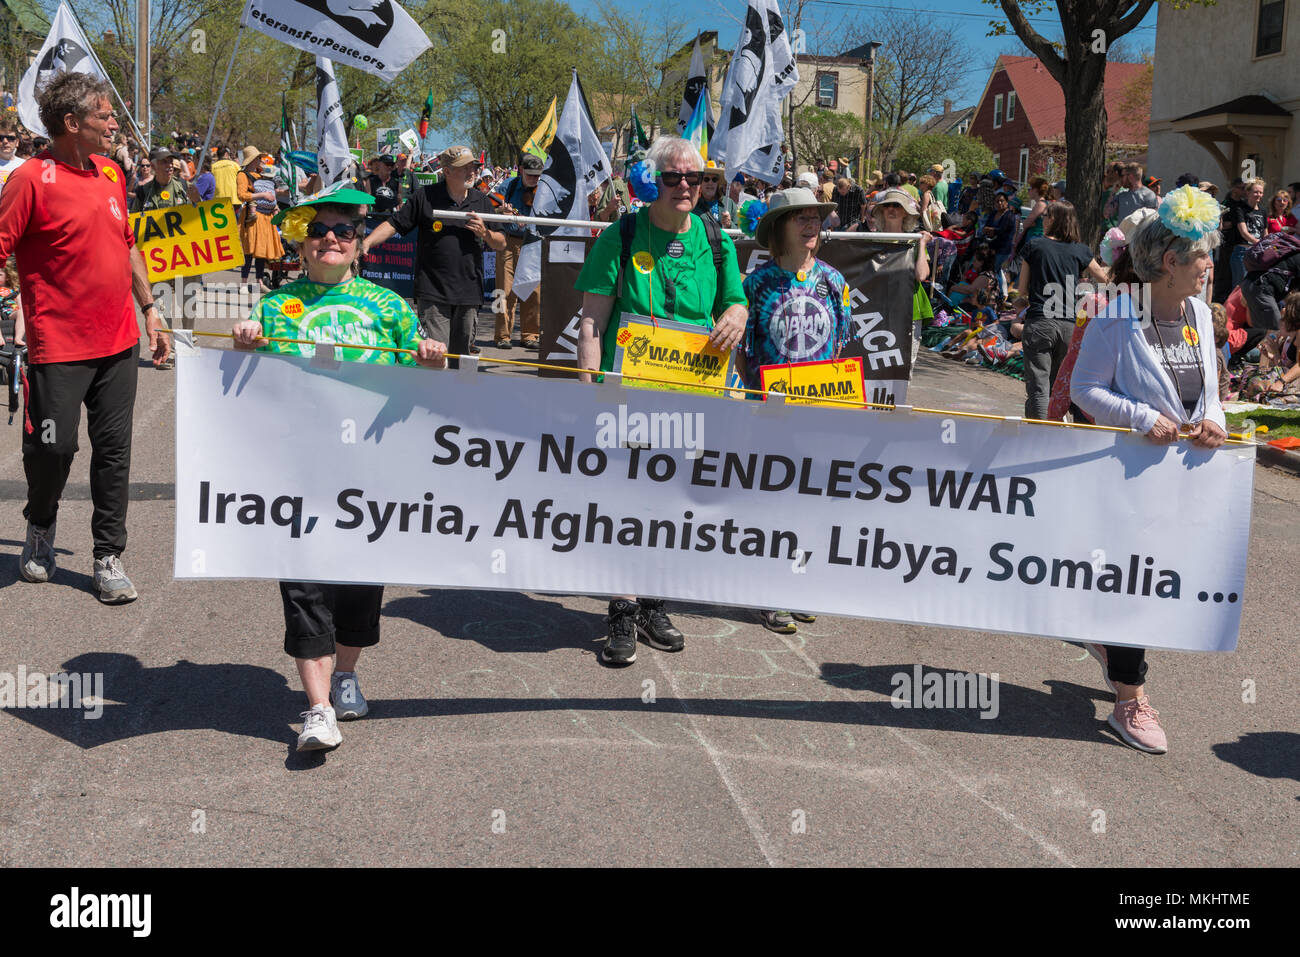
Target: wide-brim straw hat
912,219
787,201
248,154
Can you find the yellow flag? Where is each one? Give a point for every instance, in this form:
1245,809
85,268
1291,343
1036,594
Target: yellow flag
540,141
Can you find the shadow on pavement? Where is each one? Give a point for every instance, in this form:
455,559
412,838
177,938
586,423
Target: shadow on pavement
501,621
257,702
1268,754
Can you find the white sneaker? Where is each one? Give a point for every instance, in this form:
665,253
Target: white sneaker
320,731
111,584
345,694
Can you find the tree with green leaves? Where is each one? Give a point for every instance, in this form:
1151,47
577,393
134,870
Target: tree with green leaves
1089,28
826,134
918,153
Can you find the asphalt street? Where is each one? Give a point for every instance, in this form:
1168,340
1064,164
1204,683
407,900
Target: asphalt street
497,737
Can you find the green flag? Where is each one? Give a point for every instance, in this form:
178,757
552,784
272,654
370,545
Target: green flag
286,167
641,139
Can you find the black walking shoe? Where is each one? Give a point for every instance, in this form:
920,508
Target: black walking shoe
620,646
655,625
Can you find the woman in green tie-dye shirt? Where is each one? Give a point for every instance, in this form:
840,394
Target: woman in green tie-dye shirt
328,305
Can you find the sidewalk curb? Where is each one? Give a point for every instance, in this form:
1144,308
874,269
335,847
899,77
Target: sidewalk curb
1280,459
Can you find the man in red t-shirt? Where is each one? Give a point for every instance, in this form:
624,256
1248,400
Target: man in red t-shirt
64,215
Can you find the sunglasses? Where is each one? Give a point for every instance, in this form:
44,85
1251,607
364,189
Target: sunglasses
9,136
672,178
343,232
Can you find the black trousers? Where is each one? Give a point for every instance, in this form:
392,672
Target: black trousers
1128,666
55,394
316,616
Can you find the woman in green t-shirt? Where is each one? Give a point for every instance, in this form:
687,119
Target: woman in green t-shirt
322,621
669,274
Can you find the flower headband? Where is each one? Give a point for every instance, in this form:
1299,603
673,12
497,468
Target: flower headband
295,222
1189,212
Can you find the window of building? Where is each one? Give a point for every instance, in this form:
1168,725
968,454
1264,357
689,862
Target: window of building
997,111
1270,24
1024,164
997,160
828,90
1011,106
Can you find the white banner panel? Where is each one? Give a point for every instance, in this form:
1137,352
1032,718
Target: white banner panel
347,472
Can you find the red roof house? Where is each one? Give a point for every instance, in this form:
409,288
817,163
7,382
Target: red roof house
1021,117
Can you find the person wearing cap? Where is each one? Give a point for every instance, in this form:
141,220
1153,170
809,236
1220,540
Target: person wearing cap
667,271
449,252
256,190
166,189
896,212
327,626
940,184
710,203
518,195
798,311
735,198
1153,184
384,187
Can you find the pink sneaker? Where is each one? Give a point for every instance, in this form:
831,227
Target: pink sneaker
1099,652
1136,722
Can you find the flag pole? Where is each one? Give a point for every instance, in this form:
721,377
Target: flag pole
203,157
104,73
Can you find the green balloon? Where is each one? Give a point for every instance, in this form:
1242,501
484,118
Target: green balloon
360,122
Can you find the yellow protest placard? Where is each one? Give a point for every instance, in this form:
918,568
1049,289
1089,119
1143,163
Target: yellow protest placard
809,382
188,240
676,353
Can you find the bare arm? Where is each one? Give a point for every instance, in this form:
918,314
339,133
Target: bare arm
596,311
159,345
378,236
922,259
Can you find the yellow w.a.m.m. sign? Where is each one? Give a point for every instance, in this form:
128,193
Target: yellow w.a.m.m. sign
541,139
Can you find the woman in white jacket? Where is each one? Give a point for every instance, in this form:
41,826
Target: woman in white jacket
1147,363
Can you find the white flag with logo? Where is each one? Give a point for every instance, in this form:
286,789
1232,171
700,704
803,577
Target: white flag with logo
66,50
761,74
332,153
377,36
576,164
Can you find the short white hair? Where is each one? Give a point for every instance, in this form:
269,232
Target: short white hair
667,150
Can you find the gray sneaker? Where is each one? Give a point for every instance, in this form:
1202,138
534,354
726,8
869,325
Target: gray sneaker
111,583
346,697
37,562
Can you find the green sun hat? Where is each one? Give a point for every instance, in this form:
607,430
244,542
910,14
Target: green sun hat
344,194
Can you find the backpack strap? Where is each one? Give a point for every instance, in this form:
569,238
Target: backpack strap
626,233
713,232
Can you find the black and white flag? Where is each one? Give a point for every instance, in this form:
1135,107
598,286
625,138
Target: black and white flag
66,50
761,74
697,85
576,165
377,36
332,154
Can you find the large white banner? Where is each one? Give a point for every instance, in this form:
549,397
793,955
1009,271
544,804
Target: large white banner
348,472
377,36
